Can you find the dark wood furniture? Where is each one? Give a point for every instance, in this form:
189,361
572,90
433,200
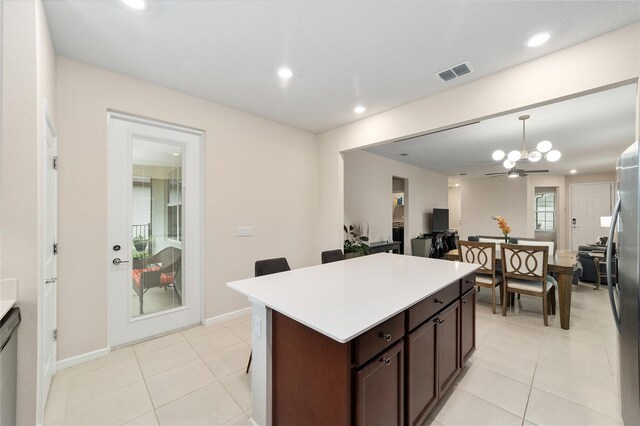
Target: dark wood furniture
560,263
384,246
525,272
392,374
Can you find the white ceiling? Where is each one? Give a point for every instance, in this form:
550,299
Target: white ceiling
381,54
591,132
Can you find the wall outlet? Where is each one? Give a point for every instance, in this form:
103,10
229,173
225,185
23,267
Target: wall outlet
245,231
257,326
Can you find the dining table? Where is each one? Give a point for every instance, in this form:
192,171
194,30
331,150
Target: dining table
561,263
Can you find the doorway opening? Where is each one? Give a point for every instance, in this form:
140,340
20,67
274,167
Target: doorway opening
399,210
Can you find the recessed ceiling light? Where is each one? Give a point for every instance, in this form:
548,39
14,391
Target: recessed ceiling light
457,185
359,109
136,4
176,153
404,154
538,39
573,171
285,73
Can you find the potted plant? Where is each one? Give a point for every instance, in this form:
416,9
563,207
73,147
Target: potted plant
355,244
140,243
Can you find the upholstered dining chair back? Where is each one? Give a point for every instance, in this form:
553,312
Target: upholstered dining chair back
525,262
332,256
483,254
271,266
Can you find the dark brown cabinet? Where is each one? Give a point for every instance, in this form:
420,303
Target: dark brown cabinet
448,346
393,374
467,325
380,390
422,387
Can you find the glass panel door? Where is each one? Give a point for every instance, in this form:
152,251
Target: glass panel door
156,226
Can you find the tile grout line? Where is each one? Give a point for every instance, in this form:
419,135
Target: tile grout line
146,386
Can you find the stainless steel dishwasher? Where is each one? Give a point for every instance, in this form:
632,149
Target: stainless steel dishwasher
9,366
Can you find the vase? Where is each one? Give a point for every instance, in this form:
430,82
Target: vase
506,238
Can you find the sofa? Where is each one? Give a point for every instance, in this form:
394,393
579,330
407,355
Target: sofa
585,258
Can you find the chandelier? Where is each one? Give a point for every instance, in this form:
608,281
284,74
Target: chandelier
543,150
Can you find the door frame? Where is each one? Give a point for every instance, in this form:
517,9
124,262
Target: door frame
43,385
199,214
571,185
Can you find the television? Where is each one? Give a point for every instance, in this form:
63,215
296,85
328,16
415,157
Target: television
440,220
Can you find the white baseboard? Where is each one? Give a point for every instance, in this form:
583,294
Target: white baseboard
80,359
226,317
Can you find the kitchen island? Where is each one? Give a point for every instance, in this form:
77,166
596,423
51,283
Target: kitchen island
368,340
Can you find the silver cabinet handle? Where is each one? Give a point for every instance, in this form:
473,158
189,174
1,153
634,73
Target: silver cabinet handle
385,336
386,361
438,301
51,280
610,283
118,261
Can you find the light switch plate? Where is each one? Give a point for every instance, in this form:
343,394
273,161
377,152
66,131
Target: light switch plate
245,231
257,326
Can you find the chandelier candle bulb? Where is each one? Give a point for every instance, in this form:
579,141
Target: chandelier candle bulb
553,155
498,155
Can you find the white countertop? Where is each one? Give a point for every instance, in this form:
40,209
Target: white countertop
344,299
5,305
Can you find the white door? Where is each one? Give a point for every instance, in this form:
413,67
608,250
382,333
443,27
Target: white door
589,201
48,294
154,226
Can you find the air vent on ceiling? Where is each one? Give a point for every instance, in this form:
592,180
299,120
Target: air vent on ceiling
455,72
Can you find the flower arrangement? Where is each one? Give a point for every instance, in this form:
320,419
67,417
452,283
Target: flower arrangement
354,242
504,226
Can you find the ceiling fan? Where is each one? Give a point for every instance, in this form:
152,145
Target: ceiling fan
514,173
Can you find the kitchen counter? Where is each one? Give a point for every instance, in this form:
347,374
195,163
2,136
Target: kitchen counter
339,302
344,299
8,295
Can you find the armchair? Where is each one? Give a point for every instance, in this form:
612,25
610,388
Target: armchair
160,270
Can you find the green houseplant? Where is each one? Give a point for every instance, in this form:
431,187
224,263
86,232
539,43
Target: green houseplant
140,243
355,244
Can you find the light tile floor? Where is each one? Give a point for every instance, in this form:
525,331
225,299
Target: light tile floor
522,373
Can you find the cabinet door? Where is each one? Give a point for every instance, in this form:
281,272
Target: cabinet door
467,326
448,346
380,390
422,386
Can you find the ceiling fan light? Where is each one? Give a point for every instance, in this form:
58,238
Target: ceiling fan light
514,155
508,164
498,155
513,174
553,155
544,146
534,156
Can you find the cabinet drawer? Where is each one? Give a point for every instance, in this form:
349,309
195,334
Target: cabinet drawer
421,311
467,283
378,339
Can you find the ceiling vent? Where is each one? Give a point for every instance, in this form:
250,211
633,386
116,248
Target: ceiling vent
455,72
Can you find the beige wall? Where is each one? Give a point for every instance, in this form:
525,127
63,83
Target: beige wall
368,194
590,178
604,61
483,198
257,172
455,204
27,84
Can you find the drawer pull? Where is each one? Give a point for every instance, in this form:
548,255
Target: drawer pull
465,301
438,321
385,336
386,361
438,301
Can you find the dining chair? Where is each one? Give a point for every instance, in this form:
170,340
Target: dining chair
268,267
524,271
331,256
483,254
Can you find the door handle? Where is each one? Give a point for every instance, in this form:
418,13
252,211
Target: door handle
118,261
51,280
612,228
